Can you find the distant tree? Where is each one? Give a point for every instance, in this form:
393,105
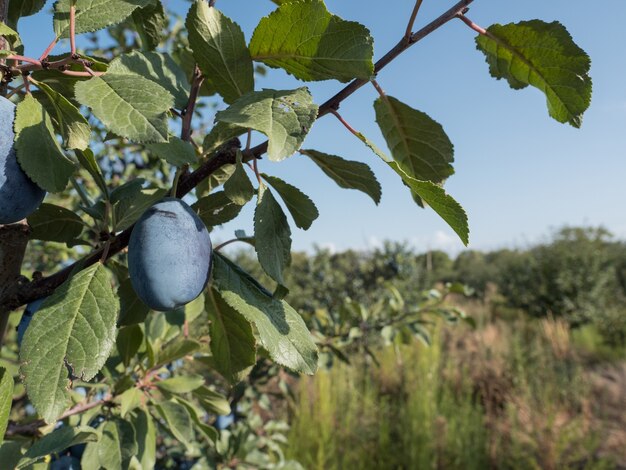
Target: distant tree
573,276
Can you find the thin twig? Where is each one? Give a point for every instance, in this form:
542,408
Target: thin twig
26,79
73,28
16,90
22,58
31,429
379,89
185,133
226,243
409,27
345,123
73,73
48,50
474,26
105,251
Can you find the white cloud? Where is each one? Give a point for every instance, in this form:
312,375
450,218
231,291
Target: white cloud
439,240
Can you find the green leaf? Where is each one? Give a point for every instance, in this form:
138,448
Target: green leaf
347,174
545,56
88,162
176,152
216,179
177,350
212,402
177,420
238,187
183,56
55,224
443,204
129,339
129,400
285,117
6,400
181,383
11,35
72,125
129,209
145,433
13,44
300,206
150,22
220,133
220,49
216,209
128,190
38,152
56,442
10,453
22,8
74,331
233,345
92,15
272,235
208,431
129,105
132,309
312,44
418,144
281,330
117,444
157,67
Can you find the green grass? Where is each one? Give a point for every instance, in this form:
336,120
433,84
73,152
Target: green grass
507,396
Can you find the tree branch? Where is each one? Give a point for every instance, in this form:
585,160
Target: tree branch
32,429
45,286
13,241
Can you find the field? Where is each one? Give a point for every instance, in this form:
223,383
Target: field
516,394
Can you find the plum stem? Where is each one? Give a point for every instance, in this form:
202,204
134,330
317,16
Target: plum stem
105,251
255,165
179,172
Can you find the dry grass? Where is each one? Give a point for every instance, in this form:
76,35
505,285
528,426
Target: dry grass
507,395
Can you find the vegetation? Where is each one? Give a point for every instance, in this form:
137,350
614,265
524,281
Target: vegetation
141,344
507,395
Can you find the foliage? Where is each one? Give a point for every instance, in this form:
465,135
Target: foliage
573,277
127,117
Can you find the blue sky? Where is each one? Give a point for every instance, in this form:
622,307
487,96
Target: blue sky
519,173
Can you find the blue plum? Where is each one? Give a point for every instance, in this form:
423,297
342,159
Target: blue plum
27,316
223,422
66,462
169,255
19,195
